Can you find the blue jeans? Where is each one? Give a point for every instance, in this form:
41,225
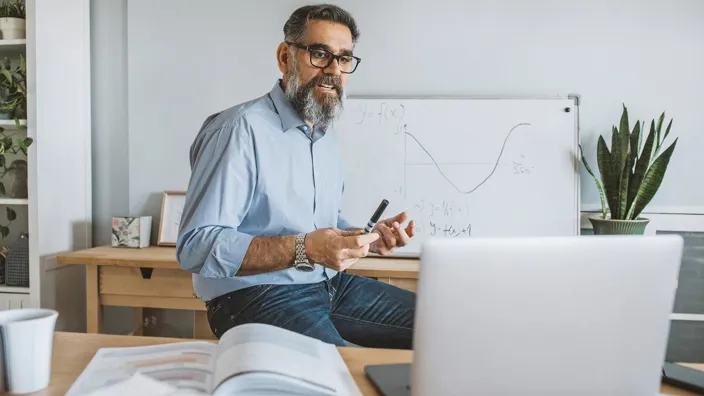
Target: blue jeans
347,307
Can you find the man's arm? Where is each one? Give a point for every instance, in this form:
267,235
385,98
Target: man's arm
220,192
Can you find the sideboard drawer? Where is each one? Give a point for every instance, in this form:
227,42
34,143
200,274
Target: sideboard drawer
129,281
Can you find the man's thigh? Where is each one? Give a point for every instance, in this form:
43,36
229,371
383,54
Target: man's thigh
304,309
370,313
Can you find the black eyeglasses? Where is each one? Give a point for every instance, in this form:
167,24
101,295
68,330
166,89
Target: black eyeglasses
322,58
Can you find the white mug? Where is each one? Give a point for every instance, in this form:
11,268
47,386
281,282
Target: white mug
26,341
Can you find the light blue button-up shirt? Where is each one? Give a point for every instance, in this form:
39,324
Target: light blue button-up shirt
256,170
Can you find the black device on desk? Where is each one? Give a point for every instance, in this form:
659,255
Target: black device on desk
683,377
390,379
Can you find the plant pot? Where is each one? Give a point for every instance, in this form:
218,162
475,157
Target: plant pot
618,227
12,28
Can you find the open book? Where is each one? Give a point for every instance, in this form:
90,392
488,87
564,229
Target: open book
251,359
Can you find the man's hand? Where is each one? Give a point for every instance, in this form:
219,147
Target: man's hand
393,236
338,249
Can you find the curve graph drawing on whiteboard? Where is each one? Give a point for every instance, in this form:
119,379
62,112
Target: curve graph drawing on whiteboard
437,166
463,167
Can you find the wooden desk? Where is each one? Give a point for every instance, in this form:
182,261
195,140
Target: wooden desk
72,353
152,278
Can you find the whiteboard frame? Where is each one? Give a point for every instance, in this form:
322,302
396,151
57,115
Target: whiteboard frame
577,160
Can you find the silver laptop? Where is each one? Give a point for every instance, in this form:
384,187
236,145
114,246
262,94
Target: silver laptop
582,315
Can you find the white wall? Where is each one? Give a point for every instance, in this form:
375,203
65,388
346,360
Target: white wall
199,59
186,59
109,114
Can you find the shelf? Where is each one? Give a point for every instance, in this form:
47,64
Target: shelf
14,289
9,46
14,201
10,124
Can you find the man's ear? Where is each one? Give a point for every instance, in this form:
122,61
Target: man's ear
282,57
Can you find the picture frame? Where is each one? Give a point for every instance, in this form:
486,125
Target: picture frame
172,203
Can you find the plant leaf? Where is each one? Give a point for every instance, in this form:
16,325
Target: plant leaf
635,144
596,181
624,126
658,129
2,189
11,214
653,179
607,178
635,138
4,231
641,168
7,75
623,183
667,131
641,140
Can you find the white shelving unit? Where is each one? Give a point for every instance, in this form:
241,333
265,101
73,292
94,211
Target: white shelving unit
11,124
57,214
14,289
11,47
13,201
14,296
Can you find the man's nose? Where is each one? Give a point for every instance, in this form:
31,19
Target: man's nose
333,68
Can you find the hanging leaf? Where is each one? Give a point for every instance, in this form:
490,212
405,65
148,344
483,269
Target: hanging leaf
2,189
596,181
11,214
4,231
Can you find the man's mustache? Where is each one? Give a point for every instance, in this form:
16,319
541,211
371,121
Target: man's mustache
327,79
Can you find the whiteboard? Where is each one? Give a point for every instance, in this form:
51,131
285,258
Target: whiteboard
463,167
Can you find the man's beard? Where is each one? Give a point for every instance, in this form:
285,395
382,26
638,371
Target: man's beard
303,99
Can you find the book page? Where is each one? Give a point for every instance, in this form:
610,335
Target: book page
185,365
293,357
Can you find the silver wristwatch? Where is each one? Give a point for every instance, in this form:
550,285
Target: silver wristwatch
302,263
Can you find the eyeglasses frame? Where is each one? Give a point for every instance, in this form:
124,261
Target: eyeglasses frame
332,56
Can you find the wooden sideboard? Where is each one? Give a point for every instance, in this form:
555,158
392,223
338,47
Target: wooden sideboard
152,278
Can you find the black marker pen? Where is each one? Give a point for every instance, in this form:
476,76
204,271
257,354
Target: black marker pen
375,217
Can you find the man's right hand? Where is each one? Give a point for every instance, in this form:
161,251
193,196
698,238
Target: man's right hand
338,249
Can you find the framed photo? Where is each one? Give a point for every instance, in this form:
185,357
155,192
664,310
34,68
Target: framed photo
171,208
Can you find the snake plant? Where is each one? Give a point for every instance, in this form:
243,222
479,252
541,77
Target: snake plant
633,169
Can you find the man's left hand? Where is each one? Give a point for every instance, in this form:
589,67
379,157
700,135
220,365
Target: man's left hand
393,235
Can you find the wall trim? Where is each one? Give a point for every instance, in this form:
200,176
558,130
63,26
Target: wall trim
686,210
687,317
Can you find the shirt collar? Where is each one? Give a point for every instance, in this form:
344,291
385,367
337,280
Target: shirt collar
289,116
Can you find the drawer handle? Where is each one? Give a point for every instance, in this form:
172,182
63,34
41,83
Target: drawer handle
146,272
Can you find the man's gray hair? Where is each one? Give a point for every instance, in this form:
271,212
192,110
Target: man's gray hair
295,27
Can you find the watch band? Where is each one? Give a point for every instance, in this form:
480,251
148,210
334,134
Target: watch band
301,263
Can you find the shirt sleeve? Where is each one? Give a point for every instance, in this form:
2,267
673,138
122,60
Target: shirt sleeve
220,192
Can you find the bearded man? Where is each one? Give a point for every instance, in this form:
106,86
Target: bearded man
262,230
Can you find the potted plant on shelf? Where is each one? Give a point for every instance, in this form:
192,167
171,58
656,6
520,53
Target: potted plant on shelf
631,173
13,90
12,19
17,168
